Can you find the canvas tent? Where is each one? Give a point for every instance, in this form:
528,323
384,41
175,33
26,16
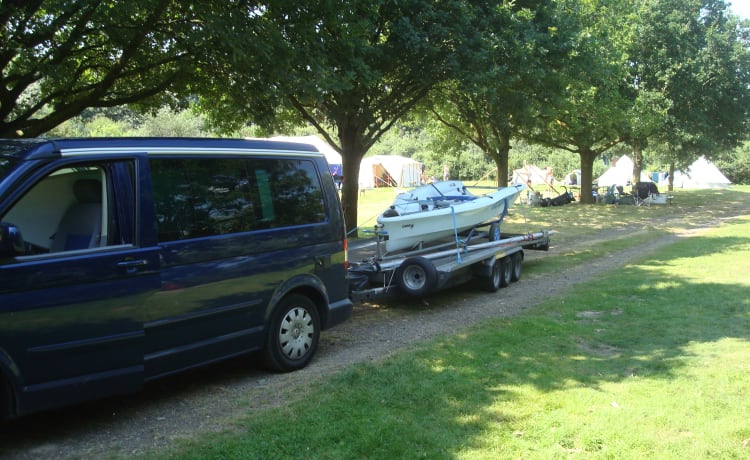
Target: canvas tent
529,174
389,171
332,156
620,173
701,174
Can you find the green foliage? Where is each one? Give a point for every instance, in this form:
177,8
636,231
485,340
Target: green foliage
736,165
352,68
164,123
60,58
693,58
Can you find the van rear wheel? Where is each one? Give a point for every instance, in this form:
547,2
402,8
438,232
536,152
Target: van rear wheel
293,335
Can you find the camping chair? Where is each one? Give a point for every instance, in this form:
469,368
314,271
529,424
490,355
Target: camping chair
622,197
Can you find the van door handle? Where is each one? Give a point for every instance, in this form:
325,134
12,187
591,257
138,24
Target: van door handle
131,265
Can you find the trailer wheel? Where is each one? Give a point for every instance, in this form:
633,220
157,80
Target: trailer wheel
417,276
517,263
493,282
494,232
506,267
293,335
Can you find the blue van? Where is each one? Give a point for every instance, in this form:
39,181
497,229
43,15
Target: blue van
123,260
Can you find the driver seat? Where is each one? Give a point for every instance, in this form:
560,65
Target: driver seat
81,226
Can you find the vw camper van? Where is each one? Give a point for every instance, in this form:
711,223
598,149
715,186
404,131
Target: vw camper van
123,260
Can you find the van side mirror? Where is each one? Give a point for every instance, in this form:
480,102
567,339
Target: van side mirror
11,241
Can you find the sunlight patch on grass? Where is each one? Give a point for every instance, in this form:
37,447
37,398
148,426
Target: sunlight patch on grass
650,361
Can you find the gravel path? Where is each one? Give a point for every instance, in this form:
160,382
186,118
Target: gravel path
212,399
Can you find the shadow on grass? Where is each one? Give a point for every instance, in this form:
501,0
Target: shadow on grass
639,323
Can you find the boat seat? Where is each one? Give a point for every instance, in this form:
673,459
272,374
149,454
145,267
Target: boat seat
81,225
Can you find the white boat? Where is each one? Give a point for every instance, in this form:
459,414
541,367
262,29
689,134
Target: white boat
435,211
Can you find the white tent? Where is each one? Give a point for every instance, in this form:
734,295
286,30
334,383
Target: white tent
529,174
332,156
389,171
620,173
701,174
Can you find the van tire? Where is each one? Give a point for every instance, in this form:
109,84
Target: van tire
417,276
293,335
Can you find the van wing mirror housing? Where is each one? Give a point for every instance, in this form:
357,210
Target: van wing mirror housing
11,241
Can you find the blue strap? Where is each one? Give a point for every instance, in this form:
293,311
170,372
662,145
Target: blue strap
455,233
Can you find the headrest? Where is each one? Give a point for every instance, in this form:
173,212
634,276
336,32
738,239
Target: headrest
88,191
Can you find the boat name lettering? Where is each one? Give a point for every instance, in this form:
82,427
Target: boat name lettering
407,226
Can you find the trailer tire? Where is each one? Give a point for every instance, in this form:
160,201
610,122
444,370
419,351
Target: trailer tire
417,276
517,263
494,232
493,282
506,267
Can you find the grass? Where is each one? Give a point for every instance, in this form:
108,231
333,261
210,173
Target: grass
648,362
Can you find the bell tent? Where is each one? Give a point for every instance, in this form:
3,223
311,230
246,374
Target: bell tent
620,173
701,174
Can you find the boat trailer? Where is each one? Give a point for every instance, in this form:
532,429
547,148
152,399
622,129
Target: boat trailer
492,258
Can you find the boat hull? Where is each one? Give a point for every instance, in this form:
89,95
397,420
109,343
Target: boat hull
442,220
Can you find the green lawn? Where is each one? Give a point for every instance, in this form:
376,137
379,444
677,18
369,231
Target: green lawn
649,362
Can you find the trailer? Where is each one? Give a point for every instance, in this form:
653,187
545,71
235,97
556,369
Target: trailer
493,258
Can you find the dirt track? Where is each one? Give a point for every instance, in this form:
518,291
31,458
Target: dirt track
211,399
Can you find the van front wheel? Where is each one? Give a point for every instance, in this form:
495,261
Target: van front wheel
293,335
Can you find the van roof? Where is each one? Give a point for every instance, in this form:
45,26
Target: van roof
27,149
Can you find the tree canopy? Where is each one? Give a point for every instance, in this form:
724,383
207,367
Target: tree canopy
59,57
690,60
578,75
350,68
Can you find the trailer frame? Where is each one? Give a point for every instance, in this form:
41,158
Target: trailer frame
493,258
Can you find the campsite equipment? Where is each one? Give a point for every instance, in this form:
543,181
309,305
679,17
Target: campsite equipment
564,198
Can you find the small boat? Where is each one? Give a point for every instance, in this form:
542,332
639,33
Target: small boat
435,211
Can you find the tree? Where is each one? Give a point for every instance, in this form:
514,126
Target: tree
59,57
349,68
692,57
510,83
588,117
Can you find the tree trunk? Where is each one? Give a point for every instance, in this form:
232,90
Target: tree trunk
501,161
670,180
352,152
587,174
637,163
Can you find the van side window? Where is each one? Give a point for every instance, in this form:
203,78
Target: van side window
205,197
75,208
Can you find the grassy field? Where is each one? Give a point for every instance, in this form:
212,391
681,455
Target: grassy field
648,362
